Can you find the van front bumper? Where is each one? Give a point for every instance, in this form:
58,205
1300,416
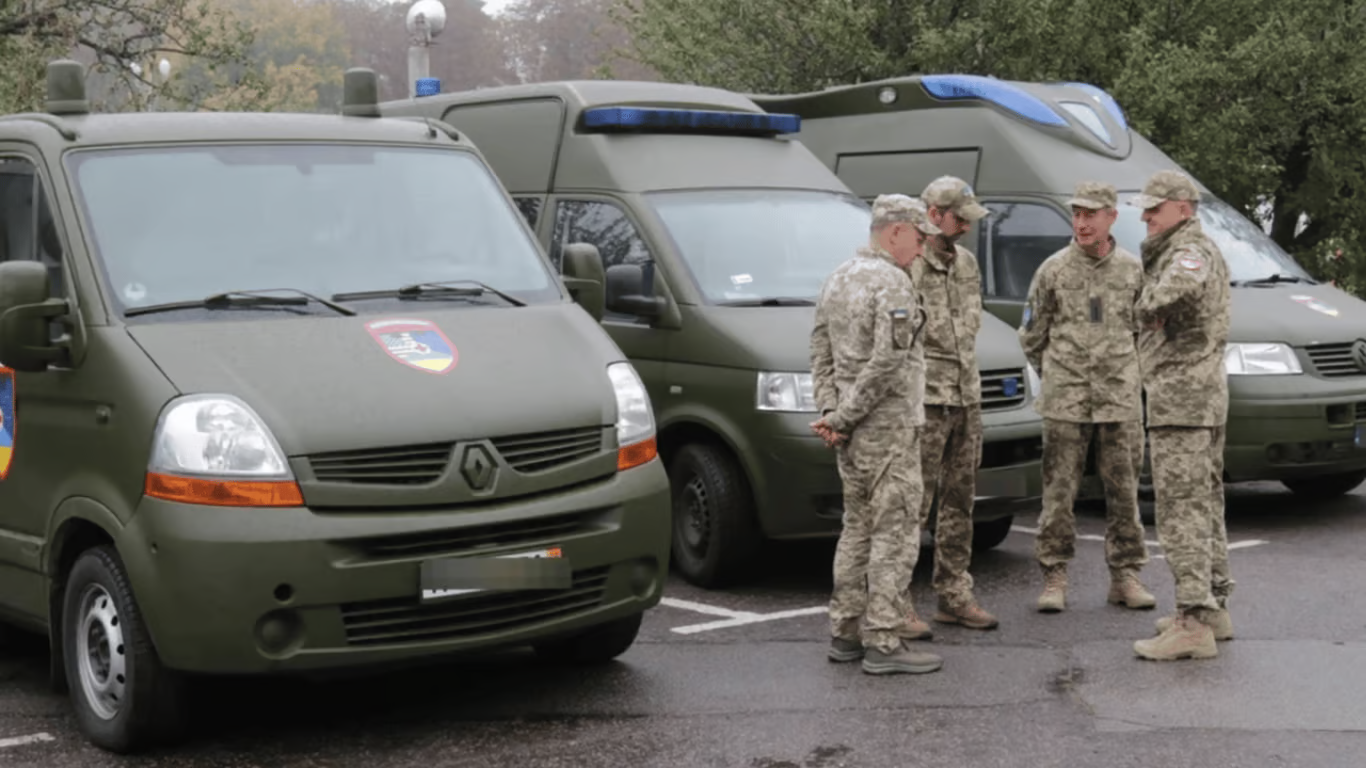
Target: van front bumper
236,590
1284,438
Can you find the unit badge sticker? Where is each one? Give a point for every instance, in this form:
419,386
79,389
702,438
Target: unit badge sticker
1315,304
7,424
418,344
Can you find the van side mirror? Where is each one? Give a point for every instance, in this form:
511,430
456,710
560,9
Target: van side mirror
631,290
26,312
584,278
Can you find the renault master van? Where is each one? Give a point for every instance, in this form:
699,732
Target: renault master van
266,416
1296,358
715,237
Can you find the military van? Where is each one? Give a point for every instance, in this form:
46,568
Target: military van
715,237
1296,358
267,417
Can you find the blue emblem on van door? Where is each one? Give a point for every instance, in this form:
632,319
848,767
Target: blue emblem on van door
7,425
1010,386
417,343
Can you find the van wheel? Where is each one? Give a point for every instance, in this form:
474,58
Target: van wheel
1325,487
598,645
990,534
124,700
714,532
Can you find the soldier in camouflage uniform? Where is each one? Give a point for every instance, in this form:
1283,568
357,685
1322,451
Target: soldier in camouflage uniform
867,368
1184,313
950,286
1079,332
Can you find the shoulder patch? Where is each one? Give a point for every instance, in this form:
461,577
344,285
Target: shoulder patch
1191,262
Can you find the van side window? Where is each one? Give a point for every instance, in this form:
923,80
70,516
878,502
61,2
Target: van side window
1021,236
600,224
29,233
530,208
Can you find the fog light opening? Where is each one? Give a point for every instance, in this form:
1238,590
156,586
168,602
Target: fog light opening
280,634
284,593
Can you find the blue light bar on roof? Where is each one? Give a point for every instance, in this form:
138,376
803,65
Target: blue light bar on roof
689,120
988,89
1107,100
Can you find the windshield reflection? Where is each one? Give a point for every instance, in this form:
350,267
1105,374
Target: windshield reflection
180,224
748,245
1249,252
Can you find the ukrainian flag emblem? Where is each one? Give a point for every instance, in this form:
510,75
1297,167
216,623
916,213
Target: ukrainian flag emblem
6,421
416,343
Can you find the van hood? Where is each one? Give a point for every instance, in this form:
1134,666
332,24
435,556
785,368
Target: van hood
1296,314
326,384
779,339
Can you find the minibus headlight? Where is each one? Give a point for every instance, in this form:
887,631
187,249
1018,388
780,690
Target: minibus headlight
785,392
635,420
1260,360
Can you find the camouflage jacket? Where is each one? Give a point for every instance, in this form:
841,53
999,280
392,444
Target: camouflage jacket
1080,331
1186,290
950,287
867,362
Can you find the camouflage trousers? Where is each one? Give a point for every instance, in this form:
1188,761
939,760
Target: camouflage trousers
1119,462
950,452
1188,469
881,476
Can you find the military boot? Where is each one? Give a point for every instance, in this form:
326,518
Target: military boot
1127,590
1054,597
967,613
915,628
1219,621
1187,637
900,661
844,650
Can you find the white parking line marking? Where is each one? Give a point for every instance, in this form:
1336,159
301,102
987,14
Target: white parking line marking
753,618
1094,537
19,741
711,610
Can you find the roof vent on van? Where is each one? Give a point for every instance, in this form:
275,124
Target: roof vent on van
1002,94
66,88
360,93
605,119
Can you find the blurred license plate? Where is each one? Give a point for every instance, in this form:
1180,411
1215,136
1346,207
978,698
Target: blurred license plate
1360,438
542,569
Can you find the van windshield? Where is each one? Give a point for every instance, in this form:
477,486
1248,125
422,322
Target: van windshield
744,246
1249,252
184,223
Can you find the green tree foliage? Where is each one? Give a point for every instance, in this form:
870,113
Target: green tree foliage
1261,100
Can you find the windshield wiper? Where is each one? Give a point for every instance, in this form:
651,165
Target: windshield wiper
243,299
772,301
445,289
1273,279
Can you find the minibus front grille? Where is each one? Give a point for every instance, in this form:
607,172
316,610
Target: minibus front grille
1334,361
500,537
1003,389
409,620
547,450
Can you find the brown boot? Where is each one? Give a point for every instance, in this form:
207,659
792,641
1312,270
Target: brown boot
915,628
1127,590
1219,621
1186,638
1054,597
967,613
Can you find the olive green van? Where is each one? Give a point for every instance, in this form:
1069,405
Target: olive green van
715,238
1296,358
266,417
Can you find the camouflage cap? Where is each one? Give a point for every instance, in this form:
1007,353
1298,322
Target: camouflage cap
1164,186
888,209
1095,195
954,194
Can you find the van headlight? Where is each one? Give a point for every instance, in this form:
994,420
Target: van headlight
214,449
635,419
785,392
1033,381
1260,360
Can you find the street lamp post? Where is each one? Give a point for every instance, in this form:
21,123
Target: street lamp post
426,20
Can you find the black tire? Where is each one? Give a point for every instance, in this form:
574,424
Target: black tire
990,534
1325,487
598,645
715,533
99,613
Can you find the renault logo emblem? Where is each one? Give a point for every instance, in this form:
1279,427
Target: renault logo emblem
478,468
1359,354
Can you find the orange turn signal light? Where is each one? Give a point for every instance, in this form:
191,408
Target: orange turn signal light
224,493
636,454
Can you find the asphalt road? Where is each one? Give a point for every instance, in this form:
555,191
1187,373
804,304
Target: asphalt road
739,678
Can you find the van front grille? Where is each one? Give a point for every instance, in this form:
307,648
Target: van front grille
1003,389
536,531
402,465
1361,411
547,450
1334,360
408,620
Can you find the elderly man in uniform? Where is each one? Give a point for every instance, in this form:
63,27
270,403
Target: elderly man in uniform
868,374
1079,332
950,285
1184,313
